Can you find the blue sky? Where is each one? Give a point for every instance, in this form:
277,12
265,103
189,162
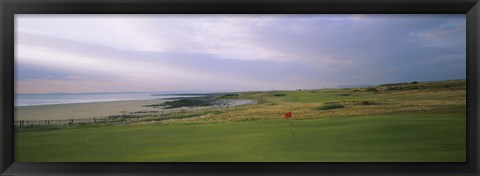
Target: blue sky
148,53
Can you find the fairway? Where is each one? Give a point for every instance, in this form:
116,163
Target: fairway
403,137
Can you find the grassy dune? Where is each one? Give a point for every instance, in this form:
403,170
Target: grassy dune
402,122
433,97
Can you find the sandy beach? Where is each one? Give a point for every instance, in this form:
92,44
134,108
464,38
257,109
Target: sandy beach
83,110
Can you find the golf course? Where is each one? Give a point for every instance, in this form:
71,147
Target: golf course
401,122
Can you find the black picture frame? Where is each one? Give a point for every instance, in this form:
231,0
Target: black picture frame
471,8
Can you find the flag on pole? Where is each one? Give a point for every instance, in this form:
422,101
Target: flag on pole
287,115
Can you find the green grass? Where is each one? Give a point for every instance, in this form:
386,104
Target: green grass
405,137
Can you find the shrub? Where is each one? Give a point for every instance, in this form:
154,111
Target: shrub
329,106
372,89
344,94
395,84
392,88
279,94
189,102
365,102
406,87
229,96
412,87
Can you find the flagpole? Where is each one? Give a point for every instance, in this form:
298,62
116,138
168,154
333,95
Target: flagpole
293,132
288,115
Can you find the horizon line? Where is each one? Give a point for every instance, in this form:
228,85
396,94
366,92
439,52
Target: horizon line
231,91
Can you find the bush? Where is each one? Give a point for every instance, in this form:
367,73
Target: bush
330,106
372,89
229,96
448,85
279,94
412,87
189,102
392,88
406,87
344,94
365,102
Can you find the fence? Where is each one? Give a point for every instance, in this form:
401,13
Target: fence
106,119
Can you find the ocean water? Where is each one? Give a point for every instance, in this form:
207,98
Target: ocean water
62,98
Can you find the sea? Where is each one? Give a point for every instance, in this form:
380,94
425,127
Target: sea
70,98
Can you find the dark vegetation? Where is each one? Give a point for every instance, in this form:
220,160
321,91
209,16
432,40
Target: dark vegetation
330,106
191,94
228,96
207,100
190,102
279,94
422,86
372,89
331,102
365,102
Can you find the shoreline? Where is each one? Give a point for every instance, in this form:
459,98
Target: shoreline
84,110
107,101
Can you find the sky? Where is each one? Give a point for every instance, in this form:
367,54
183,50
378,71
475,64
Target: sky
155,53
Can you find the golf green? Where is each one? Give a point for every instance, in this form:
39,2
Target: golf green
402,137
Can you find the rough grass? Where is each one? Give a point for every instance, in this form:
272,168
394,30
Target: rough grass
304,104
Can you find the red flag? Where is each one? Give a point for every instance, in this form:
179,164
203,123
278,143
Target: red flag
287,115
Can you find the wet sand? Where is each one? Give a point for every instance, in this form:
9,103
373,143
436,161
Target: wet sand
83,110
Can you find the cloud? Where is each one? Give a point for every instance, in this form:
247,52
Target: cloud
232,52
118,31
226,37
132,70
443,36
